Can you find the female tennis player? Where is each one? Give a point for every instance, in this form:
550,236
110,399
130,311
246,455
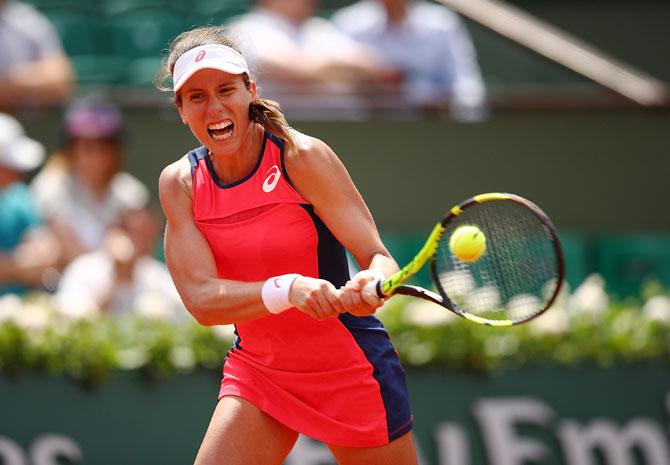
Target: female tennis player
258,219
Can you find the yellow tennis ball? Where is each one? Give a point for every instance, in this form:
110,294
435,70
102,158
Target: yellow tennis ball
467,243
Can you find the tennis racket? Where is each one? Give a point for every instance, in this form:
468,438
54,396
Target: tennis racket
517,277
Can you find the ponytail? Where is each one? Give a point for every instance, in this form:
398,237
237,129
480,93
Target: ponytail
268,114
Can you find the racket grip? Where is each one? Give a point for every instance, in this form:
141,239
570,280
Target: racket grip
375,287
378,289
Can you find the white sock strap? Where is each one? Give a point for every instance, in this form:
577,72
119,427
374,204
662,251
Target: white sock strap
276,291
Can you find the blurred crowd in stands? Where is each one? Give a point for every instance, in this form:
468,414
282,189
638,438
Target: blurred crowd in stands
382,54
75,224
82,229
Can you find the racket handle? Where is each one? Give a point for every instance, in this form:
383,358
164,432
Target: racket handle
378,289
375,287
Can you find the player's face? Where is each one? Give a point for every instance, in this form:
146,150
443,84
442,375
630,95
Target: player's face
215,105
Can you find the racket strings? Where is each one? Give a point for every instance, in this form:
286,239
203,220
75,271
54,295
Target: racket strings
515,277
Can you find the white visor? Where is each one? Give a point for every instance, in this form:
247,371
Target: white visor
210,56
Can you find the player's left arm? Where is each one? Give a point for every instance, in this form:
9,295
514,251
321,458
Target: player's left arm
320,177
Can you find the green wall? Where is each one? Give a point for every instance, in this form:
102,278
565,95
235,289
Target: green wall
535,415
590,170
602,175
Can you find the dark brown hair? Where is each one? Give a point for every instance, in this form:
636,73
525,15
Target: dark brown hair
265,112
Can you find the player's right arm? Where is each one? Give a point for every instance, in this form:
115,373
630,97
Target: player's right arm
211,300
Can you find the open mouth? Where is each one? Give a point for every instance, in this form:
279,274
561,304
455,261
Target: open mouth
221,131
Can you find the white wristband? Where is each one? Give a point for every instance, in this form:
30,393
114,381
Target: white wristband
276,291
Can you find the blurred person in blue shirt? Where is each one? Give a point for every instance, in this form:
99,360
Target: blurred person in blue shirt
26,250
34,69
430,44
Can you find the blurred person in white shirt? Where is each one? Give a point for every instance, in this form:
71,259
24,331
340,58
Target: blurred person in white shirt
431,46
83,191
122,276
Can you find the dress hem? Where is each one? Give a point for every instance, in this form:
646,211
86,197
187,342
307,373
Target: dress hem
358,442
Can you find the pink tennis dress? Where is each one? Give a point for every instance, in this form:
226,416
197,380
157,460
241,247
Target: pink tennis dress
338,380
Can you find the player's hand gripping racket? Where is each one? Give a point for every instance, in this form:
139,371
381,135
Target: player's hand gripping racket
495,259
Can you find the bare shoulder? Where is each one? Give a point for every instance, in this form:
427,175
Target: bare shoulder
175,180
315,170
307,154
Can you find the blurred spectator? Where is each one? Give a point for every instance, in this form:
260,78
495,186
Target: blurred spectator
82,191
34,70
26,250
430,44
122,276
297,53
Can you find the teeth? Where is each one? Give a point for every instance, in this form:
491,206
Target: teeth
222,125
223,137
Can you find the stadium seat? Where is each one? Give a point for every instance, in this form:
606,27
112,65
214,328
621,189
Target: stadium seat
143,31
112,7
43,4
81,31
100,69
142,34
215,12
142,71
76,27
